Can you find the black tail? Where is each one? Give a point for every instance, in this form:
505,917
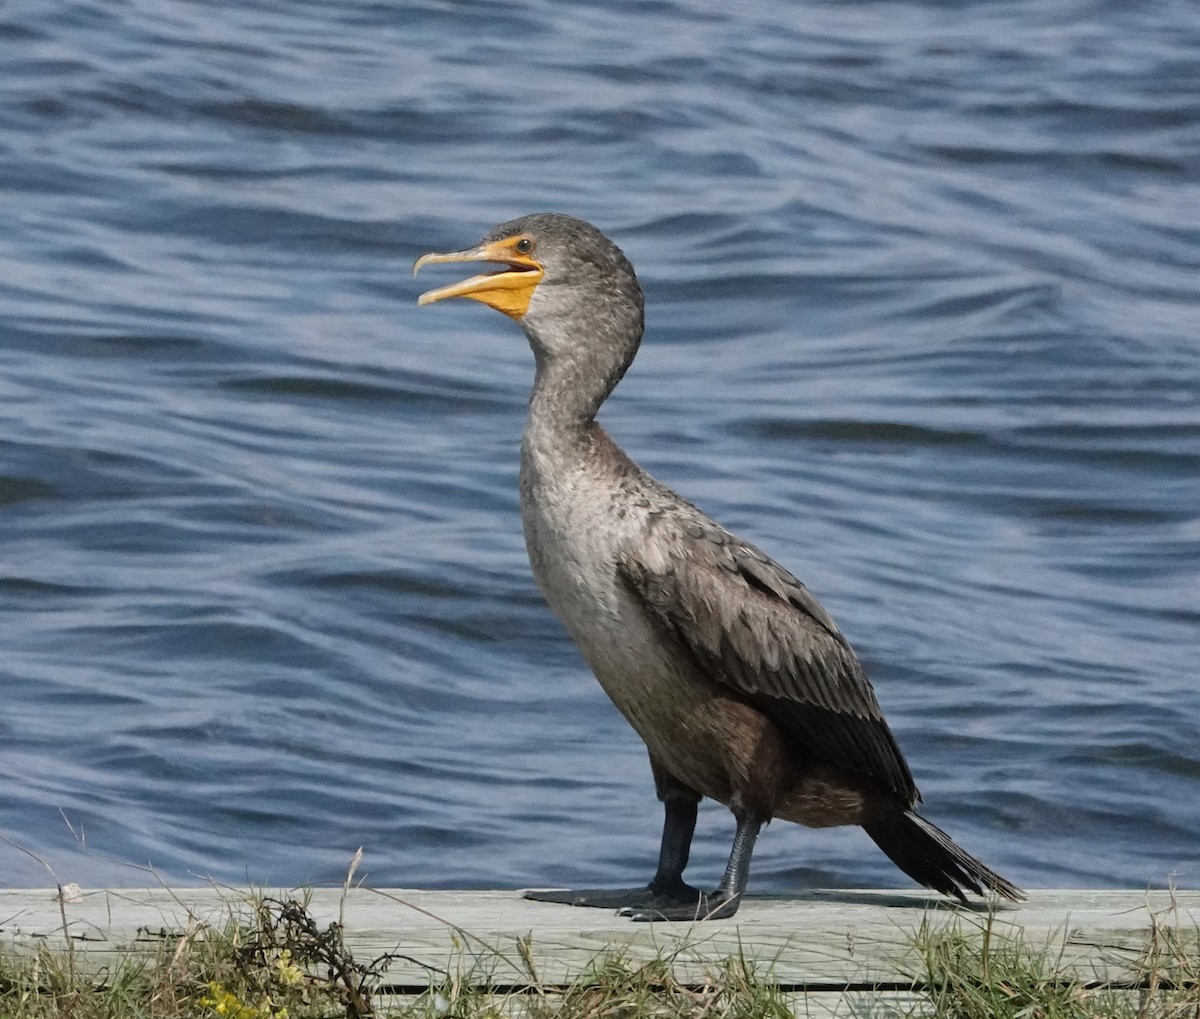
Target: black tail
926,854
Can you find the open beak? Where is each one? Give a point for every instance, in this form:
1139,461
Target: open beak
508,289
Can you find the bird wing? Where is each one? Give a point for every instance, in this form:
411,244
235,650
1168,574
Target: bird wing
755,628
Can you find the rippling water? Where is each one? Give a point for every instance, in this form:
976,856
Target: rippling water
923,285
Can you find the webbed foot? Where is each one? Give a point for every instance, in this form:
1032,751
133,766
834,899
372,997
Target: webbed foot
652,898
720,905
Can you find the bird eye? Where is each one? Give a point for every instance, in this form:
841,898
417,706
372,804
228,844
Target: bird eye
524,246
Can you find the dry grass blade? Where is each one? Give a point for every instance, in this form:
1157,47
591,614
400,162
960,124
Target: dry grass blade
992,973
269,958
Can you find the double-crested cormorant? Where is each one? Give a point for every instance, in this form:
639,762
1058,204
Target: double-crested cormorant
736,678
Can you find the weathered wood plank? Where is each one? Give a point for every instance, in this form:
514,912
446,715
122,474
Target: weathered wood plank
825,939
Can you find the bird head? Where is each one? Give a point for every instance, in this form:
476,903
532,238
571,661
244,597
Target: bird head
552,268
571,289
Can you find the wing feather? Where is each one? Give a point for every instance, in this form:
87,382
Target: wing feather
754,627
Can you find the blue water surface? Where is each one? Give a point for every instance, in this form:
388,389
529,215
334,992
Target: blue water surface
923,285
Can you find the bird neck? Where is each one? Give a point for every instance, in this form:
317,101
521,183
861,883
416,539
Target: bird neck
562,409
573,379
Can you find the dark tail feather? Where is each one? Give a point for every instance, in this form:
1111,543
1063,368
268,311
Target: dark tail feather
926,854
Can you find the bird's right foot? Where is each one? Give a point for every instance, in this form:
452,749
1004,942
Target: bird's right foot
677,895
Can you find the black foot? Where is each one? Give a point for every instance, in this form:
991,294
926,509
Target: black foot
652,898
717,906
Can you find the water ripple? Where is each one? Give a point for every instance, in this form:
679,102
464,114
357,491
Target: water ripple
921,300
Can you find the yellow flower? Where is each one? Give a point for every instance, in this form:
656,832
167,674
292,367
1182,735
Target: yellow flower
226,1004
289,973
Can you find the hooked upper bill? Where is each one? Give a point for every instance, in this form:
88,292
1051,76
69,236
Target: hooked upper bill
507,290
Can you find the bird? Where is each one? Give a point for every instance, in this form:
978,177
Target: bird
735,677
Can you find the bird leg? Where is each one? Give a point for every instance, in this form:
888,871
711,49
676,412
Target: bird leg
667,889
723,901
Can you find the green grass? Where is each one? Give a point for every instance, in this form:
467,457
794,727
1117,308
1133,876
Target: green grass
271,960
989,971
617,987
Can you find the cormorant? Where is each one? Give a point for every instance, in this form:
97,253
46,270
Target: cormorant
738,681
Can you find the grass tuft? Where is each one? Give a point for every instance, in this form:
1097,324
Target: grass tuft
989,971
614,986
275,963
269,959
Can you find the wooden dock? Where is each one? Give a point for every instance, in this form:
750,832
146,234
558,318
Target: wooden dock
832,946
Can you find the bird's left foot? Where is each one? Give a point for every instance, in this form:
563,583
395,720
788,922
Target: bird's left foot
718,905
653,897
